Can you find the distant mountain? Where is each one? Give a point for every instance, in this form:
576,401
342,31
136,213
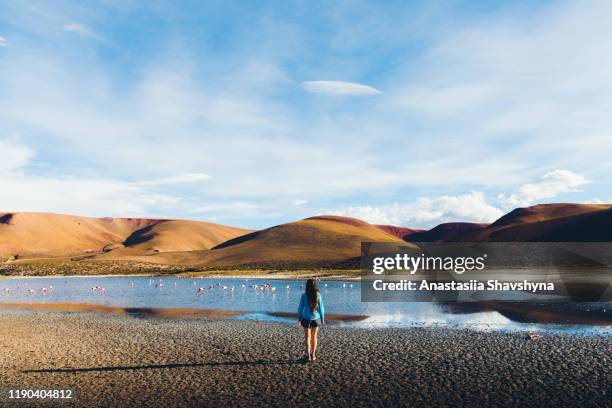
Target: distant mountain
312,242
544,212
543,223
551,223
447,232
316,242
45,235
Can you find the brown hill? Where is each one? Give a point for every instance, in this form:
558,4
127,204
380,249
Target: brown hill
400,232
447,232
313,242
45,234
181,235
551,223
543,212
322,241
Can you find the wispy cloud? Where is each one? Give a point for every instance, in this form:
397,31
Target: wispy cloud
339,88
486,104
80,29
76,194
178,179
3,42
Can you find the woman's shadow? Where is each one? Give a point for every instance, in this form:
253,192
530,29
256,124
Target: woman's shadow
174,365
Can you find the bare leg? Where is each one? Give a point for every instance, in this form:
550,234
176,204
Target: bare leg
307,338
313,342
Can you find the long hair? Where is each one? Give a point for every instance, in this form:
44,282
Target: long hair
312,294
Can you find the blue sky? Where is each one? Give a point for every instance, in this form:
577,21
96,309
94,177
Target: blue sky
257,113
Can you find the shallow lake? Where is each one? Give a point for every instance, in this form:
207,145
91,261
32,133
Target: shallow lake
276,299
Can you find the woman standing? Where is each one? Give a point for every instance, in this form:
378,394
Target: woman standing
311,315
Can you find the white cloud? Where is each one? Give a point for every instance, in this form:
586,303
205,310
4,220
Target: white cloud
3,41
473,207
550,185
339,88
428,212
80,29
178,179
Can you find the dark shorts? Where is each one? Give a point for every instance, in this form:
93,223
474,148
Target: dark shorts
309,324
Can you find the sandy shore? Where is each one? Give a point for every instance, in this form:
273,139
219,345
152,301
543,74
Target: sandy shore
123,361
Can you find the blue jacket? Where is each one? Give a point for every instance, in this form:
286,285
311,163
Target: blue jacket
305,312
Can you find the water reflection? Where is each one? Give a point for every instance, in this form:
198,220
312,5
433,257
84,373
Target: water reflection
146,297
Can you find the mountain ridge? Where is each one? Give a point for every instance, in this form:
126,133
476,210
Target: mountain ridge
322,241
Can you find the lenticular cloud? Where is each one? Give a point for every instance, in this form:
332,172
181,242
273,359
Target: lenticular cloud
339,88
